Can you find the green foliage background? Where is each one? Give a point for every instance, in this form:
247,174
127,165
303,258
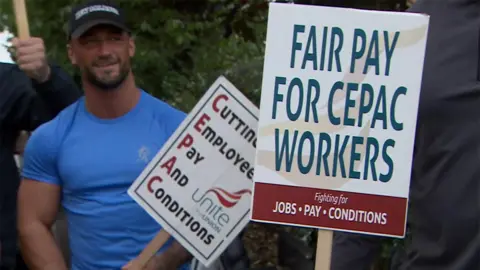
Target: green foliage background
184,45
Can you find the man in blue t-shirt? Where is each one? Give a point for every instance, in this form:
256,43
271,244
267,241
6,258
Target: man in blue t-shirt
89,155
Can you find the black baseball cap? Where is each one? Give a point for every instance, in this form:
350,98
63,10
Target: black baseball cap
92,13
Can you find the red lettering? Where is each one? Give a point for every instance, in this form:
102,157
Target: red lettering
201,122
150,183
186,142
215,101
169,164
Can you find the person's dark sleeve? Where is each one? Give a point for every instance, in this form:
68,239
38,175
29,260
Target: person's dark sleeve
25,105
58,92
354,251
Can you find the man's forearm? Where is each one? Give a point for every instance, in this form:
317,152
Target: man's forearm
39,248
52,96
174,257
59,91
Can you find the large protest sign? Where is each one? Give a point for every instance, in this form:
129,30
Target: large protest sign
199,185
337,118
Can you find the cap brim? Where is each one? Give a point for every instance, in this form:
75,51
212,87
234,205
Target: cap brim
82,29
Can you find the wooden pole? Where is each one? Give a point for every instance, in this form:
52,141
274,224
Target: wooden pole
323,256
150,250
21,17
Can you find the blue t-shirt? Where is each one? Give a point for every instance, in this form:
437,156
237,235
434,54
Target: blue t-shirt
95,161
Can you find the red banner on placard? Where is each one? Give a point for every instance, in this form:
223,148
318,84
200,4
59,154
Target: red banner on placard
336,210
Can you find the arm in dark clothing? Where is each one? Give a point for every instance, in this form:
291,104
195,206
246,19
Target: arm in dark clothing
25,104
59,91
354,251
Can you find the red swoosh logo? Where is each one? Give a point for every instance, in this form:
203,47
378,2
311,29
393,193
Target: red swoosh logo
228,199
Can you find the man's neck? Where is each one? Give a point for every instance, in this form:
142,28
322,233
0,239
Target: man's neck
114,103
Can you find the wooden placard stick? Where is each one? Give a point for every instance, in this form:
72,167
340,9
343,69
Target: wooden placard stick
150,250
21,17
323,256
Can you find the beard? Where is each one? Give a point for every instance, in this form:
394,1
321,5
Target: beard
106,81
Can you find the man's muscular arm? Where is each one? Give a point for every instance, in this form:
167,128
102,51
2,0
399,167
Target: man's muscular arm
37,209
39,199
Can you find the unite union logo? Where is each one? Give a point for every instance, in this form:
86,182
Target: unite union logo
213,212
226,198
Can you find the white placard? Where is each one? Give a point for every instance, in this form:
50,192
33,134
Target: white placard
199,185
338,113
